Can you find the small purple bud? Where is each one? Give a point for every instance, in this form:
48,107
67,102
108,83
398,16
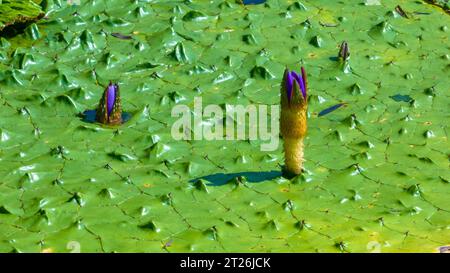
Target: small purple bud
344,52
109,110
111,97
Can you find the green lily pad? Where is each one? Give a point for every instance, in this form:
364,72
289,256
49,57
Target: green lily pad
376,151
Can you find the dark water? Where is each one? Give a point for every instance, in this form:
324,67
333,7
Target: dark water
253,2
404,98
220,179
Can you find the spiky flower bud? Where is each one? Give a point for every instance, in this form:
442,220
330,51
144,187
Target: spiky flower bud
293,123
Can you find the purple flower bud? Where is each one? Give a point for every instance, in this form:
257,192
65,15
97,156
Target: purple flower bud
109,110
111,97
293,77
